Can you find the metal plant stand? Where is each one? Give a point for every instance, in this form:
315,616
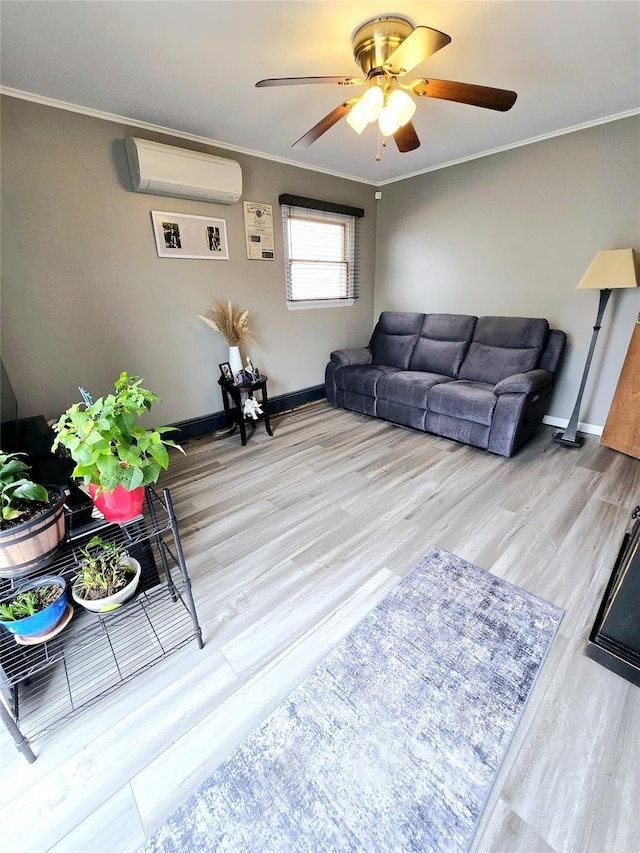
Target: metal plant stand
45,685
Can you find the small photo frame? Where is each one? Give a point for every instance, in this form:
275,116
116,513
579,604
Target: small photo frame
180,235
238,377
225,371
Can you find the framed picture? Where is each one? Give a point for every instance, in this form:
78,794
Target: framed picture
180,235
252,375
238,377
225,370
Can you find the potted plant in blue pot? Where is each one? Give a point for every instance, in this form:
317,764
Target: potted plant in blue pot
35,608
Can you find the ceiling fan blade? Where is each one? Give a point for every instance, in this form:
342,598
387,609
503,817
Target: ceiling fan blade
295,81
406,138
325,124
466,93
420,44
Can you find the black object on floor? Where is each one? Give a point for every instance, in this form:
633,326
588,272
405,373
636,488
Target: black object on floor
614,641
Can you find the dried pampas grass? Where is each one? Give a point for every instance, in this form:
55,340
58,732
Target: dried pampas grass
231,324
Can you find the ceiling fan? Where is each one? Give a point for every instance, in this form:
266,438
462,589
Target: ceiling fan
387,48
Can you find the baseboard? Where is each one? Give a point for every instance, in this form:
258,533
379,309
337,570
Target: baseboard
590,429
205,424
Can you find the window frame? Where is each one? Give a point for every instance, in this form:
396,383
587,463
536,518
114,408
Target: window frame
310,211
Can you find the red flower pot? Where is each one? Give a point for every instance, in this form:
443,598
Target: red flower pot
119,505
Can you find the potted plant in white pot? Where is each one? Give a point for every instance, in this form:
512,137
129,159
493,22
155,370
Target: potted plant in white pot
32,524
233,327
35,609
107,576
115,456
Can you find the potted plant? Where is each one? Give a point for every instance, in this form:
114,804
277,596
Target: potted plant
107,576
115,456
35,608
32,524
233,327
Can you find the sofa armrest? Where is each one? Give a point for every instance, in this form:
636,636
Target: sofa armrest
524,383
344,357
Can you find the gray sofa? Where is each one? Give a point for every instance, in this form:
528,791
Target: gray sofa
484,381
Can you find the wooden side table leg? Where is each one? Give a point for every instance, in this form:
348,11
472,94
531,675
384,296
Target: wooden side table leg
265,409
241,421
231,419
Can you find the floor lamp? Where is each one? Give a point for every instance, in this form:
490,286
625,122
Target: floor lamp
607,271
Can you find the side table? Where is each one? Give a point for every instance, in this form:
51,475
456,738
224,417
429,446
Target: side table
232,399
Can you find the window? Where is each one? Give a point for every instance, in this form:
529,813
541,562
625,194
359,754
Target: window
320,253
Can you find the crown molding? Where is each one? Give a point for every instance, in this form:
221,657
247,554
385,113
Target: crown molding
532,140
179,134
205,140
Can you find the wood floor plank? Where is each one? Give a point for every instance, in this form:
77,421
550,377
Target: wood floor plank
120,813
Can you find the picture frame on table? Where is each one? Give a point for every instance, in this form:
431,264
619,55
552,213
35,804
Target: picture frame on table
238,377
225,372
251,374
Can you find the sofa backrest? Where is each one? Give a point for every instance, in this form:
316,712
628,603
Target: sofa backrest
394,338
442,343
550,359
502,346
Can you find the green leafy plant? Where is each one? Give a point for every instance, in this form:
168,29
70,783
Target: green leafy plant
27,603
102,572
16,486
108,444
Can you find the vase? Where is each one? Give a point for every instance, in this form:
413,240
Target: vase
235,359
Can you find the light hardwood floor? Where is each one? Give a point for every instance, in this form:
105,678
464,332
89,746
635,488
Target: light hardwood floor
290,541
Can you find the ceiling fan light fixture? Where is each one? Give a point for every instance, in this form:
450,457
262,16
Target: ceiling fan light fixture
388,121
355,119
403,106
371,103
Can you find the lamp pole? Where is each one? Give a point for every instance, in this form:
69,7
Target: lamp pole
570,438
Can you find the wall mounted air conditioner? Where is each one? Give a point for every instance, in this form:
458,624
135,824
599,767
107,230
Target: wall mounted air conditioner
167,170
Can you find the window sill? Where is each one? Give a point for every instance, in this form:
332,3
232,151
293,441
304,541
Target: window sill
320,303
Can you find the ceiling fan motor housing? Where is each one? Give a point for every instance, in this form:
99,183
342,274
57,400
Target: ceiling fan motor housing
375,40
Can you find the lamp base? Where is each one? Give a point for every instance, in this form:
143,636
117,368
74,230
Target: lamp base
559,438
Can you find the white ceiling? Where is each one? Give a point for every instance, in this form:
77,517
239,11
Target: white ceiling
191,67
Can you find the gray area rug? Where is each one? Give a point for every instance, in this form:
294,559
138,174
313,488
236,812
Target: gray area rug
393,742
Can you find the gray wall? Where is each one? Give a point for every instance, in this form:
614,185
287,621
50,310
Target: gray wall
85,296
512,234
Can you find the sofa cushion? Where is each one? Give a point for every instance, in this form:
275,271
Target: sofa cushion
502,346
469,401
361,379
394,338
442,344
409,387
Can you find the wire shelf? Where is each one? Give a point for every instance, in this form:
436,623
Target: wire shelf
45,685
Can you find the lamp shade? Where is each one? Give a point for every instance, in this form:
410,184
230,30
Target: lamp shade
356,120
403,106
370,103
611,269
388,121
